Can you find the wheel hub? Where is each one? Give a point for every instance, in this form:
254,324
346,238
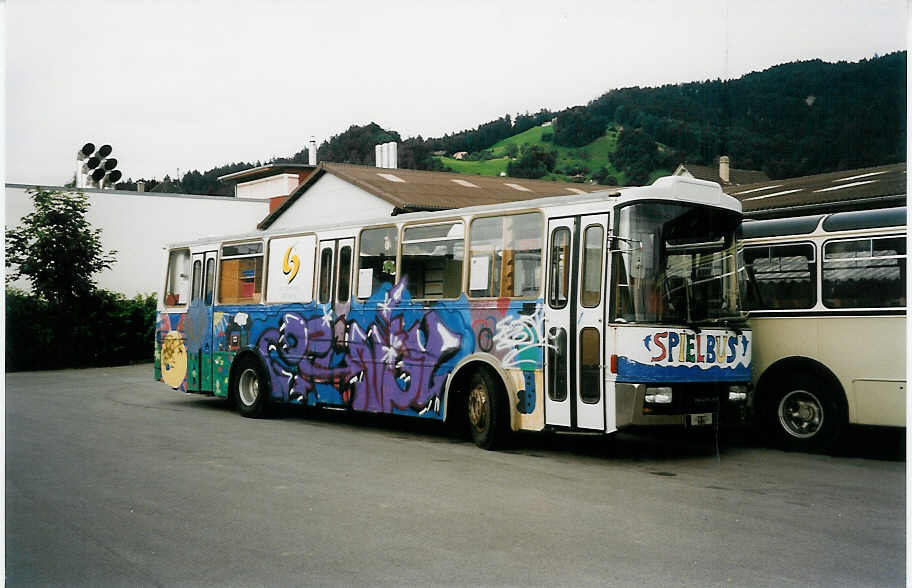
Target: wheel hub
801,414
249,387
478,407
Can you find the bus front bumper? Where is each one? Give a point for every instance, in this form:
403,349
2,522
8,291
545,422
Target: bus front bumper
681,404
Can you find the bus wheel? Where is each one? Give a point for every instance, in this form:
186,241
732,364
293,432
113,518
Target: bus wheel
804,414
484,409
250,390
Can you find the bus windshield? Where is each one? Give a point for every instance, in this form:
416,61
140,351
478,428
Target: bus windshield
675,263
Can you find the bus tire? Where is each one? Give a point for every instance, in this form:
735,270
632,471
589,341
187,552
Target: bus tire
485,410
804,413
250,389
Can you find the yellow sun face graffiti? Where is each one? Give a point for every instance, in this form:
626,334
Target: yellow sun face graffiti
290,264
173,359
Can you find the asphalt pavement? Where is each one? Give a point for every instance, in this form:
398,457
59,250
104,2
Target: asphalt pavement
113,479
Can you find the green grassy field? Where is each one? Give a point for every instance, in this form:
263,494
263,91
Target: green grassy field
593,156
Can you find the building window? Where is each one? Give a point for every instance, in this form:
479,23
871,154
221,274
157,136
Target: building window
432,260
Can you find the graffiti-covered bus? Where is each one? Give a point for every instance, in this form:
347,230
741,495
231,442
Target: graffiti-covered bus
827,301
585,313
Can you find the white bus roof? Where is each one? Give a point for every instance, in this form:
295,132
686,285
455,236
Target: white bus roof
669,188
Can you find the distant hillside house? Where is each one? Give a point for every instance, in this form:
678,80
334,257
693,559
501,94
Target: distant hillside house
721,173
340,192
460,154
856,189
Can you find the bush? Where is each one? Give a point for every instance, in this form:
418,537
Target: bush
106,329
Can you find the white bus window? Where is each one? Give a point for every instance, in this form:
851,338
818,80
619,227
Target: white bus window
210,279
178,286
865,273
506,254
291,269
345,254
326,259
377,259
591,293
432,260
559,279
197,279
782,277
241,274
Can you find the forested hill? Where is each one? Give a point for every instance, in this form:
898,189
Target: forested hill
789,120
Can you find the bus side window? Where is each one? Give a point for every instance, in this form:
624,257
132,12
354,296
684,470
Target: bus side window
865,273
197,280
342,291
210,280
506,256
784,276
241,274
377,259
432,260
559,280
178,283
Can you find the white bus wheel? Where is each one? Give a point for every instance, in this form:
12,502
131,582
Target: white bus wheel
804,414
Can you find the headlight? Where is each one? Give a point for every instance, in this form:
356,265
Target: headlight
737,393
661,395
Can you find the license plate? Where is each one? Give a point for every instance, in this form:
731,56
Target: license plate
703,418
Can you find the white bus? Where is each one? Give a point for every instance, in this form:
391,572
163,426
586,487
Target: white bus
583,313
827,301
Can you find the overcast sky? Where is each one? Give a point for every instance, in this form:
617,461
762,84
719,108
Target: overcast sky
193,84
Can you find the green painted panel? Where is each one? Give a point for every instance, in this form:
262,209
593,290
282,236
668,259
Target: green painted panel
206,369
156,363
221,368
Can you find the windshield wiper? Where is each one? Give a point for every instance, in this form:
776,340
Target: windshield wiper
732,323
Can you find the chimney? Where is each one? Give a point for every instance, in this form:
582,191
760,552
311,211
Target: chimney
140,186
312,151
723,169
392,158
386,155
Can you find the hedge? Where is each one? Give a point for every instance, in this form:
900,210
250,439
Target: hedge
103,329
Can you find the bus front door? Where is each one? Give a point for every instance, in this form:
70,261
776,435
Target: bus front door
574,322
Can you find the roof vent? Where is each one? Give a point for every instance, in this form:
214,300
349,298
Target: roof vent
391,178
518,187
465,183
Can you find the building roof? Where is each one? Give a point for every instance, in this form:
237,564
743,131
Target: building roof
735,176
872,187
409,190
270,169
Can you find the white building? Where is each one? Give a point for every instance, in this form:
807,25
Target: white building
139,225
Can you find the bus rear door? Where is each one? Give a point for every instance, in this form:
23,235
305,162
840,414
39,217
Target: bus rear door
198,322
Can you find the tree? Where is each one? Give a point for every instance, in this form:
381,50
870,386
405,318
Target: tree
56,249
535,162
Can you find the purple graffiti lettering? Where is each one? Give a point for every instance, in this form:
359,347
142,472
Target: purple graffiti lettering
381,367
